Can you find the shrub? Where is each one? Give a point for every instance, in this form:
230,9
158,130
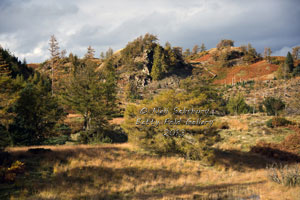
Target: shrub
59,140
273,105
287,175
8,174
237,105
278,121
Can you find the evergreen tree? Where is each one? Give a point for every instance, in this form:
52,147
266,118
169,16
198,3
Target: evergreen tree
289,62
109,53
92,94
225,43
90,53
273,105
54,52
250,55
102,55
110,87
36,113
296,71
187,52
171,59
157,68
202,48
5,139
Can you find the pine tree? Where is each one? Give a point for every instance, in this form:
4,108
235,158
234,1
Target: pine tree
102,55
36,113
92,94
170,56
289,63
202,48
54,52
90,53
7,96
109,53
187,52
157,68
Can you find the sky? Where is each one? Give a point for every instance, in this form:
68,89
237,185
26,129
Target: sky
26,25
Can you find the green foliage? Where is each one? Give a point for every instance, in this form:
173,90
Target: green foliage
250,54
36,113
15,66
225,43
5,139
277,121
195,143
237,105
92,93
159,64
58,140
289,63
137,48
202,48
131,91
273,105
296,71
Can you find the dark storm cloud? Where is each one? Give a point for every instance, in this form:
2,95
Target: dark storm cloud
26,26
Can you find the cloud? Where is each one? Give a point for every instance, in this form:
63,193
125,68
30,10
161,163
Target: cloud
27,25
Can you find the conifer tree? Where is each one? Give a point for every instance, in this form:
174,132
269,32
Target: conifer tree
158,64
92,94
54,52
202,48
109,53
90,53
289,63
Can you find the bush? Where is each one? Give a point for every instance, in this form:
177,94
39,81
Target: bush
278,121
8,174
287,175
63,129
273,105
237,105
59,140
112,135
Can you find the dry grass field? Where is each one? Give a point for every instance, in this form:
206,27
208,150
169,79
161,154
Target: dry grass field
122,171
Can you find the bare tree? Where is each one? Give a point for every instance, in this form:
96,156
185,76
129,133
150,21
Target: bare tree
296,53
267,54
109,52
63,53
195,49
54,52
